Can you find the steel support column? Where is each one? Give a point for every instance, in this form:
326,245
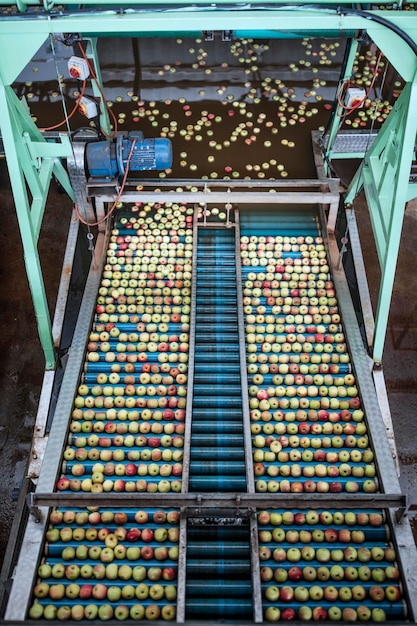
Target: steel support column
97,87
337,109
31,162
384,176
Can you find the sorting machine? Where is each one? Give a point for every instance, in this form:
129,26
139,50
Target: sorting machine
217,451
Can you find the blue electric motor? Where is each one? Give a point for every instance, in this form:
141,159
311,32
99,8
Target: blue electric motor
108,159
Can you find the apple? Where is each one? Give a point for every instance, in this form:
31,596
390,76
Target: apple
305,613
335,613
105,612
378,615
272,614
286,593
41,590
272,593
392,573
319,614
295,573
137,612
349,614
57,591
364,613
351,573
36,611
377,593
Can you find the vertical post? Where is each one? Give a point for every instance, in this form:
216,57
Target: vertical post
384,176
92,54
394,215
337,111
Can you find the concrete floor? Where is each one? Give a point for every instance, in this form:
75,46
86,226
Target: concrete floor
21,362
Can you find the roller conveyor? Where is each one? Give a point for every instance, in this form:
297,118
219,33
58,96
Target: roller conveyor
217,461
215,250
227,575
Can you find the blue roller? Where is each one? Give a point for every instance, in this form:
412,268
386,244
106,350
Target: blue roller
215,453
223,413
217,468
215,402
209,566
220,608
228,483
234,549
213,588
218,439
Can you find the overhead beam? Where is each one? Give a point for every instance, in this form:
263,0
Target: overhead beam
153,22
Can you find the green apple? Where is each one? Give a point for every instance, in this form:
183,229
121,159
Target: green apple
137,612
272,614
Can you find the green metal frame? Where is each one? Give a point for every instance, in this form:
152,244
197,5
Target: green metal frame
384,176
32,161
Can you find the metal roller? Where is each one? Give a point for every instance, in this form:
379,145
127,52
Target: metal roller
216,387
216,440
227,414
220,608
217,468
210,352
220,567
226,483
214,588
216,453
234,549
206,310
219,336
214,368
228,428
218,401
217,532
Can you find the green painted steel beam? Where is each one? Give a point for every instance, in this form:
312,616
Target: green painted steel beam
91,53
50,4
20,50
280,20
384,176
31,163
350,56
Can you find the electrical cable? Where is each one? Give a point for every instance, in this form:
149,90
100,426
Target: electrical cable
111,210
342,72
384,22
69,115
90,67
344,86
345,239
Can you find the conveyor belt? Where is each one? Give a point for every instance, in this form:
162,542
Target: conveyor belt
217,460
126,433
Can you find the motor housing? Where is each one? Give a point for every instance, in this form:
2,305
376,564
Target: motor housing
106,160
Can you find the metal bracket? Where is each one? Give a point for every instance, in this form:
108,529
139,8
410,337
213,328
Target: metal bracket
402,511
34,510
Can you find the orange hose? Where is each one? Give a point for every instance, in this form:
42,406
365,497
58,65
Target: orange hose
77,102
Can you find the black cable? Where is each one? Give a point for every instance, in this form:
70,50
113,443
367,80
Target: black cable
342,71
384,22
